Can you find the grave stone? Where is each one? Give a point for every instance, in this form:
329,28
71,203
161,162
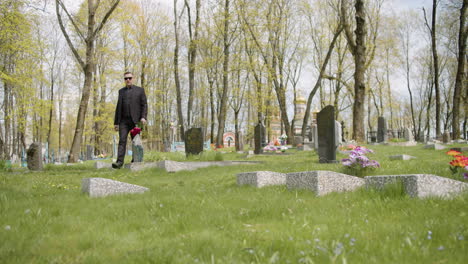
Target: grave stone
446,137
326,135
401,157
408,134
193,141
381,130
434,146
34,156
338,131
100,187
259,138
102,165
420,185
323,182
89,152
137,149
314,133
298,140
261,178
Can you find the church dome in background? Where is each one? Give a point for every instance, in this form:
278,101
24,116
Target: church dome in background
300,100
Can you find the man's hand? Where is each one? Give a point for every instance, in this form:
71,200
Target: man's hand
116,127
143,121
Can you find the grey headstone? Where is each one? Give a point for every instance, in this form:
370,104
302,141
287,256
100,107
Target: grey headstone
89,152
401,157
434,146
323,182
137,149
326,135
194,141
259,138
408,134
261,178
308,146
381,130
34,156
338,131
100,187
446,137
420,185
298,140
314,133
102,165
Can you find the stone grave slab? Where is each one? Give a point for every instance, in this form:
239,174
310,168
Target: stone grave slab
100,187
402,144
261,179
434,146
420,185
102,165
402,157
175,166
323,182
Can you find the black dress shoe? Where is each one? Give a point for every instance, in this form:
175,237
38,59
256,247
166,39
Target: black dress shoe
117,165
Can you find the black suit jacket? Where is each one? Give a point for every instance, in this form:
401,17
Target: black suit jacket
138,105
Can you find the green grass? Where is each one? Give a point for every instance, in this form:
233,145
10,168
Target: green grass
202,216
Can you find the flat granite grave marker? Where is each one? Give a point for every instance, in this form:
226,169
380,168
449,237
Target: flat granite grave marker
434,146
261,178
193,141
34,156
100,187
420,185
401,157
323,182
326,135
102,165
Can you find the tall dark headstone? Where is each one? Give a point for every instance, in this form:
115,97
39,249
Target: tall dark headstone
34,156
194,141
381,130
326,135
259,138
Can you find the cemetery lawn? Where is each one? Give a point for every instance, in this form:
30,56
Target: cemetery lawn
202,216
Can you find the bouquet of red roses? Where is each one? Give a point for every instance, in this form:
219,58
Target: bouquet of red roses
135,131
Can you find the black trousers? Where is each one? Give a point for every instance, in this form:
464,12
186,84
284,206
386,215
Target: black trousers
124,128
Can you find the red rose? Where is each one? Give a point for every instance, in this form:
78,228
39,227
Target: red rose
135,131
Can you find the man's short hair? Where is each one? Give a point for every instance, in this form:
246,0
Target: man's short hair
127,72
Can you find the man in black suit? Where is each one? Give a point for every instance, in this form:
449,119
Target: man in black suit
131,109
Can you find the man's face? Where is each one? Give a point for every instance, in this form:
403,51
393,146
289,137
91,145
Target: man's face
128,79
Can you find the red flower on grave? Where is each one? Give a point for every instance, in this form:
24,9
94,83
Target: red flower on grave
135,131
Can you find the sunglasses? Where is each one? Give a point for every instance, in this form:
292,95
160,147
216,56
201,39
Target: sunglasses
128,78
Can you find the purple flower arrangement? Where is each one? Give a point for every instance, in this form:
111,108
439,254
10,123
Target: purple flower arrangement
358,163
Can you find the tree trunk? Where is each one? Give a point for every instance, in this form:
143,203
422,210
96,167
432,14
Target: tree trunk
87,65
460,78
359,81
180,116
223,106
